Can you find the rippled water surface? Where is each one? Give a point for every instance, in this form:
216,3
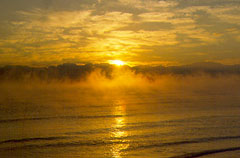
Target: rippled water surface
130,123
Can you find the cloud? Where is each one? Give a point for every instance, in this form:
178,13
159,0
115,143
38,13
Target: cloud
149,5
171,31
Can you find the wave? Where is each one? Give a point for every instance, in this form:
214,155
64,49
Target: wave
32,139
206,152
109,142
197,140
88,132
59,117
64,144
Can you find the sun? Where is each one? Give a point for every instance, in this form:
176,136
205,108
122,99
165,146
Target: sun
117,62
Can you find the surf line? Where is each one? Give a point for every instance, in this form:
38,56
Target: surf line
207,152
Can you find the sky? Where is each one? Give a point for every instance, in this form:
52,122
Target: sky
138,32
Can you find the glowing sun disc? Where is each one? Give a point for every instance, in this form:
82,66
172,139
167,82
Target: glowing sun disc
117,62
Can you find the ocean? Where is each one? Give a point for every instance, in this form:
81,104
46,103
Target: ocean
73,121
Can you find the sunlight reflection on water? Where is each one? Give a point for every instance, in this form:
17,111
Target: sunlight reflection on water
118,133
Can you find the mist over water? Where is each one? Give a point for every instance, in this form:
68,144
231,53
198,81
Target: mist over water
121,113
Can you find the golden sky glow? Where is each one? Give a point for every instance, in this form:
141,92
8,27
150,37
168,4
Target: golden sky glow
166,32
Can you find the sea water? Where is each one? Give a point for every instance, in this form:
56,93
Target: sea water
53,122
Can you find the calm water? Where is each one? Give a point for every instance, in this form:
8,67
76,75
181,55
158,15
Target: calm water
114,124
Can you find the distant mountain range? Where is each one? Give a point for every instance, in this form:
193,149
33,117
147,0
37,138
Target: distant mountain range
196,68
80,72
